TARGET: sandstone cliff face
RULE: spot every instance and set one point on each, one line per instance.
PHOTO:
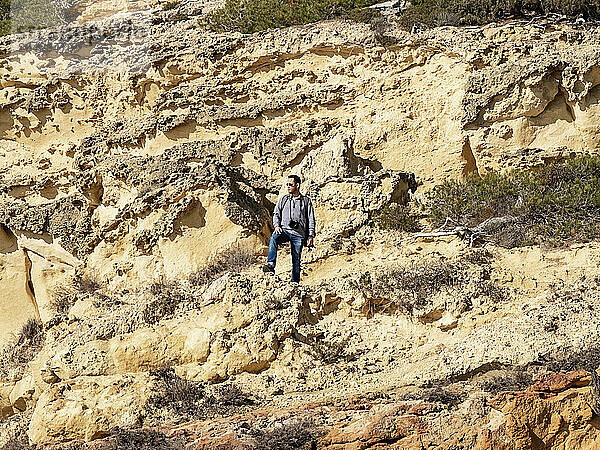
(137, 149)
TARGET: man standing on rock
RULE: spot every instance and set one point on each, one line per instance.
(294, 221)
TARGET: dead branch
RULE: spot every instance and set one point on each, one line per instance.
(481, 232)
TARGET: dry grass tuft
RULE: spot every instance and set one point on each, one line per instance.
(396, 217)
(414, 287)
(179, 400)
(144, 439)
(291, 434)
(23, 348)
(166, 297)
(235, 259)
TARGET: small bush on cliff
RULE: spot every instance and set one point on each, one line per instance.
(413, 288)
(396, 217)
(462, 12)
(288, 435)
(448, 396)
(4, 17)
(80, 286)
(17, 16)
(144, 439)
(250, 16)
(569, 359)
(178, 400)
(496, 381)
(170, 5)
(63, 297)
(333, 347)
(555, 204)
(166, 295)
(88, 284)
(235, 259)
(23, 348)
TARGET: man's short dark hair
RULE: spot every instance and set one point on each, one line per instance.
(296, 178)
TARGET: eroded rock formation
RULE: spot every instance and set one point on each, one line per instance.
(139, 148)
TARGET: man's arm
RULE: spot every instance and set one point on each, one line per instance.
(277, 213)
(311, 219)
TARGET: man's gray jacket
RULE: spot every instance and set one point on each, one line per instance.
(298, 208)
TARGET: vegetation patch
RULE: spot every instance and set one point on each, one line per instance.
(18, 16)
(411, 287)
(415, 288)
(178, 400)
(568, 359)
(23, 348)
(555, 204)
(251, 16)
(170, 5)
(396, 217)
(17, 441)
(63, 297)
(165, 297)
(502, 380)
(144, 439)
(462, 12)
(449, 396)
(291, 434)
(235, 259)
(335, 347)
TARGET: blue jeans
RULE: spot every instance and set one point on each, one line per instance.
(296, 247)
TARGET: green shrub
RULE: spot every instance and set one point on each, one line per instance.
(4, 27)
(17, 16)
(396, 217)
(250, 16)
(4, 17)
(465, 12)
(554, 204)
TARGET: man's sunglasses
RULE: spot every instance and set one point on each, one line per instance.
(291, 184)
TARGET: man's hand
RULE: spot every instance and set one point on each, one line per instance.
(309, 242)
(278, 230)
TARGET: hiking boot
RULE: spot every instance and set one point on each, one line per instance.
(268, 268)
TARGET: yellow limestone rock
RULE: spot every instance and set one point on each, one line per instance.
(17, 304)
(197, 345)
(22, 393)
(89, 407)
(6, 409)
(45, 275)
(203, 231)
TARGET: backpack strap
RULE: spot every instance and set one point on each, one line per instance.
(286, 197)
